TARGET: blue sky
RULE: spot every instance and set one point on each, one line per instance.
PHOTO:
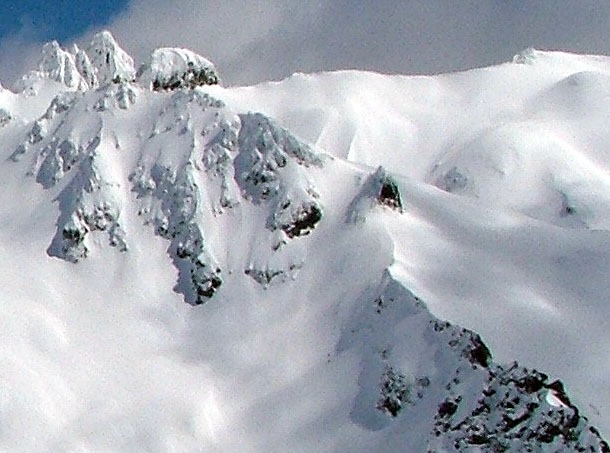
(56, 19)
(255, 40)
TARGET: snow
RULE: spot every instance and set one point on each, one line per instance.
(174, 67)
(109, 60)
(501, 228)
(518, 250)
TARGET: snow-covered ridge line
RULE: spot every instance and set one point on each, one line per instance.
(283, 245)
(104, 62)
(197, 163)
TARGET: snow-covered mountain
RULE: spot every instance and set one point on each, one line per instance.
(288, 266)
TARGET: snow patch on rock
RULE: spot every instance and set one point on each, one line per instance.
(379, 188)
(111, 63)
(173, 68)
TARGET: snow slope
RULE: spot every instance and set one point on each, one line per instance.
(515, 244)
(183, 275)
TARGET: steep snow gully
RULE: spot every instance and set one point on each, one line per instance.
(329, 234)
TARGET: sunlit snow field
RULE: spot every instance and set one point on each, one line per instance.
(515, 245)
(504, 176)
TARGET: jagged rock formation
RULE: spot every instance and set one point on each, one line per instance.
(90, 201)
(518, 410)
(103, 62)
(269, 170)
(198, 158)
(55, 64)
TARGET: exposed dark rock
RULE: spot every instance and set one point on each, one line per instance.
(532, 382)
(304, 222)
(389, 194)
(379, 188)
(191, 78)
(264, 277)
(395, 392)
(526, 419)
(173, 68)
(268, 276)
(447, 408)
(206, 283)
(74, 235)
(479, 353)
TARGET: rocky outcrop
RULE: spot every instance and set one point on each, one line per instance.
(179, 185)
(270, 170)
(517, 410)
(173, 68)
(90, 200)
(89, 203)
(379, 189)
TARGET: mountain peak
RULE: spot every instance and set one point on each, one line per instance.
(148, 188)
(55, 64)
(111, 62)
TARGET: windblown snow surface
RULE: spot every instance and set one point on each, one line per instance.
(302, 265)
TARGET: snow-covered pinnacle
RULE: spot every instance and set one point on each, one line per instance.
(59, 65)
(85, 68)
(111, 63)
(172, 68)
(104, 62)
(55, 64)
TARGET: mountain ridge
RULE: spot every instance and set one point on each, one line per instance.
(250, 210)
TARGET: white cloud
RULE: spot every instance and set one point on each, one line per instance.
(217, 30)
(257, 40)
(18, 53)
(252, 41)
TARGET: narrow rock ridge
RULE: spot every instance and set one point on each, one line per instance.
(430, 370)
